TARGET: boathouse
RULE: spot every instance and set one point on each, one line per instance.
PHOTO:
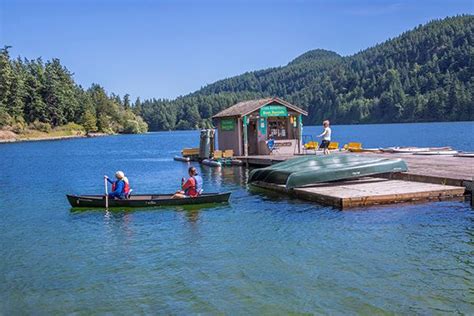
(246, 126)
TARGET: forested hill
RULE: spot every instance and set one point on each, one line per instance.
(425, 74)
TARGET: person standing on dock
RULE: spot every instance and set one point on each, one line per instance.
(326, 135)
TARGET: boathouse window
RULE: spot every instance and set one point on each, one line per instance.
(277, 127)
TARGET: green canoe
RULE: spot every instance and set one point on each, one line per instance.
(307, 170)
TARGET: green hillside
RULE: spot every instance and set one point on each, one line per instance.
(425, 74)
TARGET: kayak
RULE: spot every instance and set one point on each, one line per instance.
(146, 200)
(308, 170)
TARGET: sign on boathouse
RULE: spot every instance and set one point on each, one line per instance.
(273, 110)
(228, 124)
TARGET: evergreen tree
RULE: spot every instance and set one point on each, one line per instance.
(126, 101)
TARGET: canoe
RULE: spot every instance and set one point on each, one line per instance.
(183, 159)
(309, 170)
(465, 155)
(146, 200)
(412, 150)
(211, 163)
(438, 152)
(405, 150)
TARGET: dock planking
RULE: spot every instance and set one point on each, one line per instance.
(369, 191)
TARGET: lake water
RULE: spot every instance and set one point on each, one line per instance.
(260, 254)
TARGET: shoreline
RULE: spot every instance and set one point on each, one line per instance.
(55, 138)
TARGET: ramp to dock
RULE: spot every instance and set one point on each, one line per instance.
(369, 191)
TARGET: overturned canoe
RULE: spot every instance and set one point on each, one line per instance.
(413, 150)
(404, 150)
(303, 171)
(465, 154)
(146, 200)
(438, 153)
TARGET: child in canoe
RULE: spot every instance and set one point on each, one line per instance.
(191, 187)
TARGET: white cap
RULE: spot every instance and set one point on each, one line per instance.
(119, 174)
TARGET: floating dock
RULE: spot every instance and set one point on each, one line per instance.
(369, 191)
(429, 178)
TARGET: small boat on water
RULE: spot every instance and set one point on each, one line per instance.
(146, 200)
(308, 170)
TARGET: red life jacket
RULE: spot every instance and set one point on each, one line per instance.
(126, 187)
(196, 188)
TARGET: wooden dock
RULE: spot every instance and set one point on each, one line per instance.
(455, 171)
(429, 178)
(369, 191)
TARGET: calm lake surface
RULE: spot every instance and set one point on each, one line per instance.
(260, 254)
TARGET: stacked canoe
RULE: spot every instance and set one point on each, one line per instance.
(309, 170)
(446, 151)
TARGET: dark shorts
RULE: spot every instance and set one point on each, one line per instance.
(324, 144)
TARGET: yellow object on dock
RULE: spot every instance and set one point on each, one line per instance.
(333, 146)
(229, 153)
(187, 152)
(217, 154)
(354, 147)
(311, 145)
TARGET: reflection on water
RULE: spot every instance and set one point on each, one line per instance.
(262, 253)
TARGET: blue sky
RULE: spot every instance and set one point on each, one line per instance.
(163, 49)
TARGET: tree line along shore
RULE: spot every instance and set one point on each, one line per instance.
(41, 99)
(422, 75)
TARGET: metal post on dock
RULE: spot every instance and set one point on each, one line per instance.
(246, 142)
(472, 193)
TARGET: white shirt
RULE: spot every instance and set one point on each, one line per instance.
(327, 134)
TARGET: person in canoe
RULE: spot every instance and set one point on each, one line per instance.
(191, 187)
(326, 135)
(120, 187)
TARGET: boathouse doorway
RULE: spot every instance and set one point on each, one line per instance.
(253, 137)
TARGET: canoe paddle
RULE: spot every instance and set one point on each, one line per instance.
(106, 194)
